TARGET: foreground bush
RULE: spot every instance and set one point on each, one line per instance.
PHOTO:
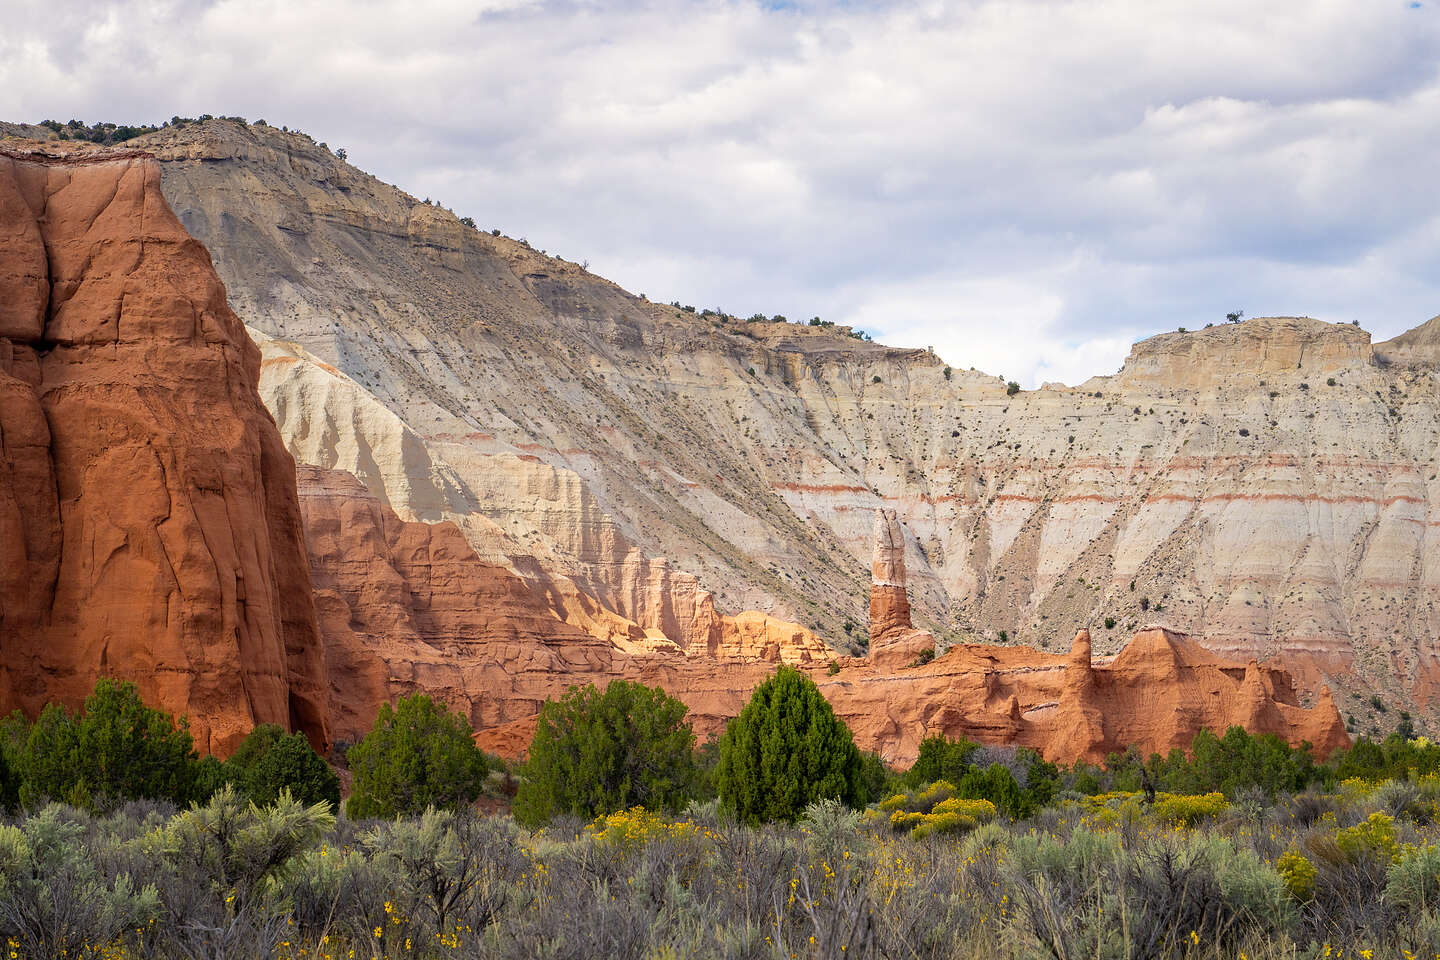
(285, 881)
(786, 750)
(417, 755)
(595, 753)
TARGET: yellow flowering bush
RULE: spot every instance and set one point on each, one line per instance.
(1298, 875)
(936, 792)
(1375, 835)
(934, 809)
(983, 811)
(628, 829)
(1188, 809)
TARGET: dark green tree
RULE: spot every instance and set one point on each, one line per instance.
(1235, 762)
(998, 785)
(877, 780)
(786, 750)
(118, 749)
(417, 755)
(14, 730)
(271, 760)
(595, 753)
(940, 758)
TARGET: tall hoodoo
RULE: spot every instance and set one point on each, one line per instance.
(889, 605)
(149, 526)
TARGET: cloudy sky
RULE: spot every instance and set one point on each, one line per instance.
(1027, 185)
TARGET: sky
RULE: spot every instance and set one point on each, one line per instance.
(1028, 186)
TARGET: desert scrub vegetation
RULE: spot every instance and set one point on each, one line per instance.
(1240, 846)
(1107, 876)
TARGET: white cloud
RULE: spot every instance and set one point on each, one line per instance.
(1027, 185)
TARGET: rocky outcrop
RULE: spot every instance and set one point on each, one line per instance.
(1419, 347)
(499, 659)
(406, 606)
(889, 602)
(1219, 472)
(149, 527)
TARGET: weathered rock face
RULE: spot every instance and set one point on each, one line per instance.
(149, 527)
(575, 555)
(889, 604)
(1219, 472)
(408, 606)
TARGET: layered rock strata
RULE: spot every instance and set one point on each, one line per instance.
(407, 606)
(149, 527)
(1220, 483)
(587, 570)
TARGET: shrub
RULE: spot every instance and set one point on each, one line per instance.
(931, 810)
(830, 820)
(876, 779)
(1373, 837)
(629, 829)
(1413, 881)
(230, 857)
(417, 755)
(786, 750)
(595, 753)
(1012, 388)
(1235, 762)
(998, 785)
(54, 899)
(1298, 874)
(940, 758)
(117, 749)
(269, 760)
(1189, 810)
(450, 866)
(9, 777)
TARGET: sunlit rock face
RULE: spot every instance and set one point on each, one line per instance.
(149, 527)
(572, 429)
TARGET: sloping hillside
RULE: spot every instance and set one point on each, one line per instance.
(1269, 486)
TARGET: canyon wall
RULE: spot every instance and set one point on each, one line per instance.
(407, 606)
(1219, 485)
(149, 526)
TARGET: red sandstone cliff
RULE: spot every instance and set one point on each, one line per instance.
(149, 527)
(408, 606)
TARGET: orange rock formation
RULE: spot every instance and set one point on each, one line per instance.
(149, 527)
(408, 606)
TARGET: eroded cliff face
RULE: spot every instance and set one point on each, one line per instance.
(149, 527)
(1246, 499)
(407, 606)
(1160, 690)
